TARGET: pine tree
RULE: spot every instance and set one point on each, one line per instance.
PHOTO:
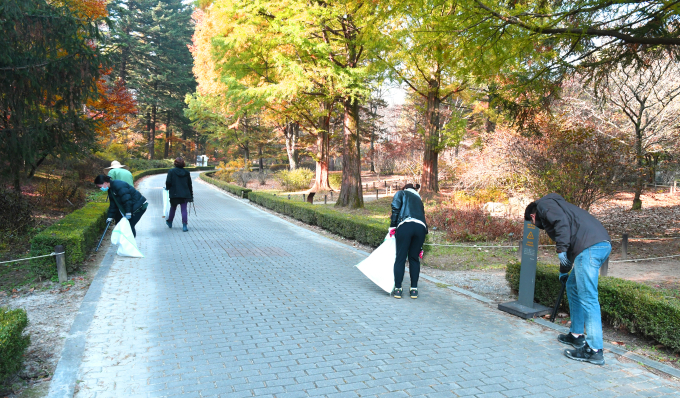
(151, 39)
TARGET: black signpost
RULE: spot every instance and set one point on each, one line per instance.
(525, 307)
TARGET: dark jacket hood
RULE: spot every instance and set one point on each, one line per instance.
(181, 172)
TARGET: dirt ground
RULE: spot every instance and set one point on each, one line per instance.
(51, 309)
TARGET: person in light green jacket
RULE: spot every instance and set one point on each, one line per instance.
(118, 171)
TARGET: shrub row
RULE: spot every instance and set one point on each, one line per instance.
(78, 232)
(635, 306)
(143, 173)
(366, 231)
(235, 189)
(12, 341)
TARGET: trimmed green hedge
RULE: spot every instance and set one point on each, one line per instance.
(361, 229)
(637, 307)
(143, 173)
(78, 232)
(235, 189)
(12, 341)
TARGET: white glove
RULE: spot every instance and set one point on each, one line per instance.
(128, 215)
(109, 220)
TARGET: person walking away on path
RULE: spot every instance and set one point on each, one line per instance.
(118, 171)
(409, 228)
(178, 183)
(582, 244)
(125, 200)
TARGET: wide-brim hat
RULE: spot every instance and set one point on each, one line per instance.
(116, 165)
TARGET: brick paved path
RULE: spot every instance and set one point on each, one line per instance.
(248, 305)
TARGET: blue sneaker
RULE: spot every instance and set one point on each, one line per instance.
(185, 228)
(168, 223)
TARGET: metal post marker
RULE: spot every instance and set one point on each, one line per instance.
(525, 307)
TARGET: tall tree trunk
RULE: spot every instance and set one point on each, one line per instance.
(246, 156)
(430, 175)
(639, 181)
(291, 131)
(321, 182)
(350, 193)
(168, 134)
(152, 133)
(261, 160)
(373, 150)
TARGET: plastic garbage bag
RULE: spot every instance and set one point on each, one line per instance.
(166, 203)
(123, 237)
(379, 266)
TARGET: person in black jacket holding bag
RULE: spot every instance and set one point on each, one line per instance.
(409, 228)
(583, 244)
(125, 200)
(178, 183)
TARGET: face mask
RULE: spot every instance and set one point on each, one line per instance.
(104, 189)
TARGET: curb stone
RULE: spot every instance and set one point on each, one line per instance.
(64, 378)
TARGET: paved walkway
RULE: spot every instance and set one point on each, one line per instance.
(246, 304)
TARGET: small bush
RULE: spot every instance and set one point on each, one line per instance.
(335, 180)
(278, 167)
(635, 306)
(235, 189)
(78, 232)
(295, 180)
(469, 223)
(12, 341)
(145, 164)
(262, 177)
(242, 177)
(15, 216)
(60, 192)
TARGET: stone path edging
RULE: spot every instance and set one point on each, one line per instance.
(64, 378)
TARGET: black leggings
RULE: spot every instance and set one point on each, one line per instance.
(409, 238)
(133, 220)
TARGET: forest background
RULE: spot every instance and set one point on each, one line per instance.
(500, 100)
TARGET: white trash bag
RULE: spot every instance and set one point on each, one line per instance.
(123, 237)
(166, 203)
(379, 266)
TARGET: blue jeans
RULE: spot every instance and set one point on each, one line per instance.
(584, 305)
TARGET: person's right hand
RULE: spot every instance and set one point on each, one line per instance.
(392, 232)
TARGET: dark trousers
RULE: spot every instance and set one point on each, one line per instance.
(410, 237)
(133, 220)
(183, 207)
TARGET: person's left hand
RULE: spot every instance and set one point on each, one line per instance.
(564, 277)
(128, 215)
(392, 231)
(421, 254)
(565, 264)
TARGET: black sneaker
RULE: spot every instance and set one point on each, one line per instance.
(569, 339)
(414, 292)
(586, 354)
(397, 292)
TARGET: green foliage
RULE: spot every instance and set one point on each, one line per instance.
(335, 180)
(362, 229)
(60, 192)
(278, 167)
(295, 180)
(48, 70)
(78, 232)
(12, 341)
(637, 307)
(235, 189)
